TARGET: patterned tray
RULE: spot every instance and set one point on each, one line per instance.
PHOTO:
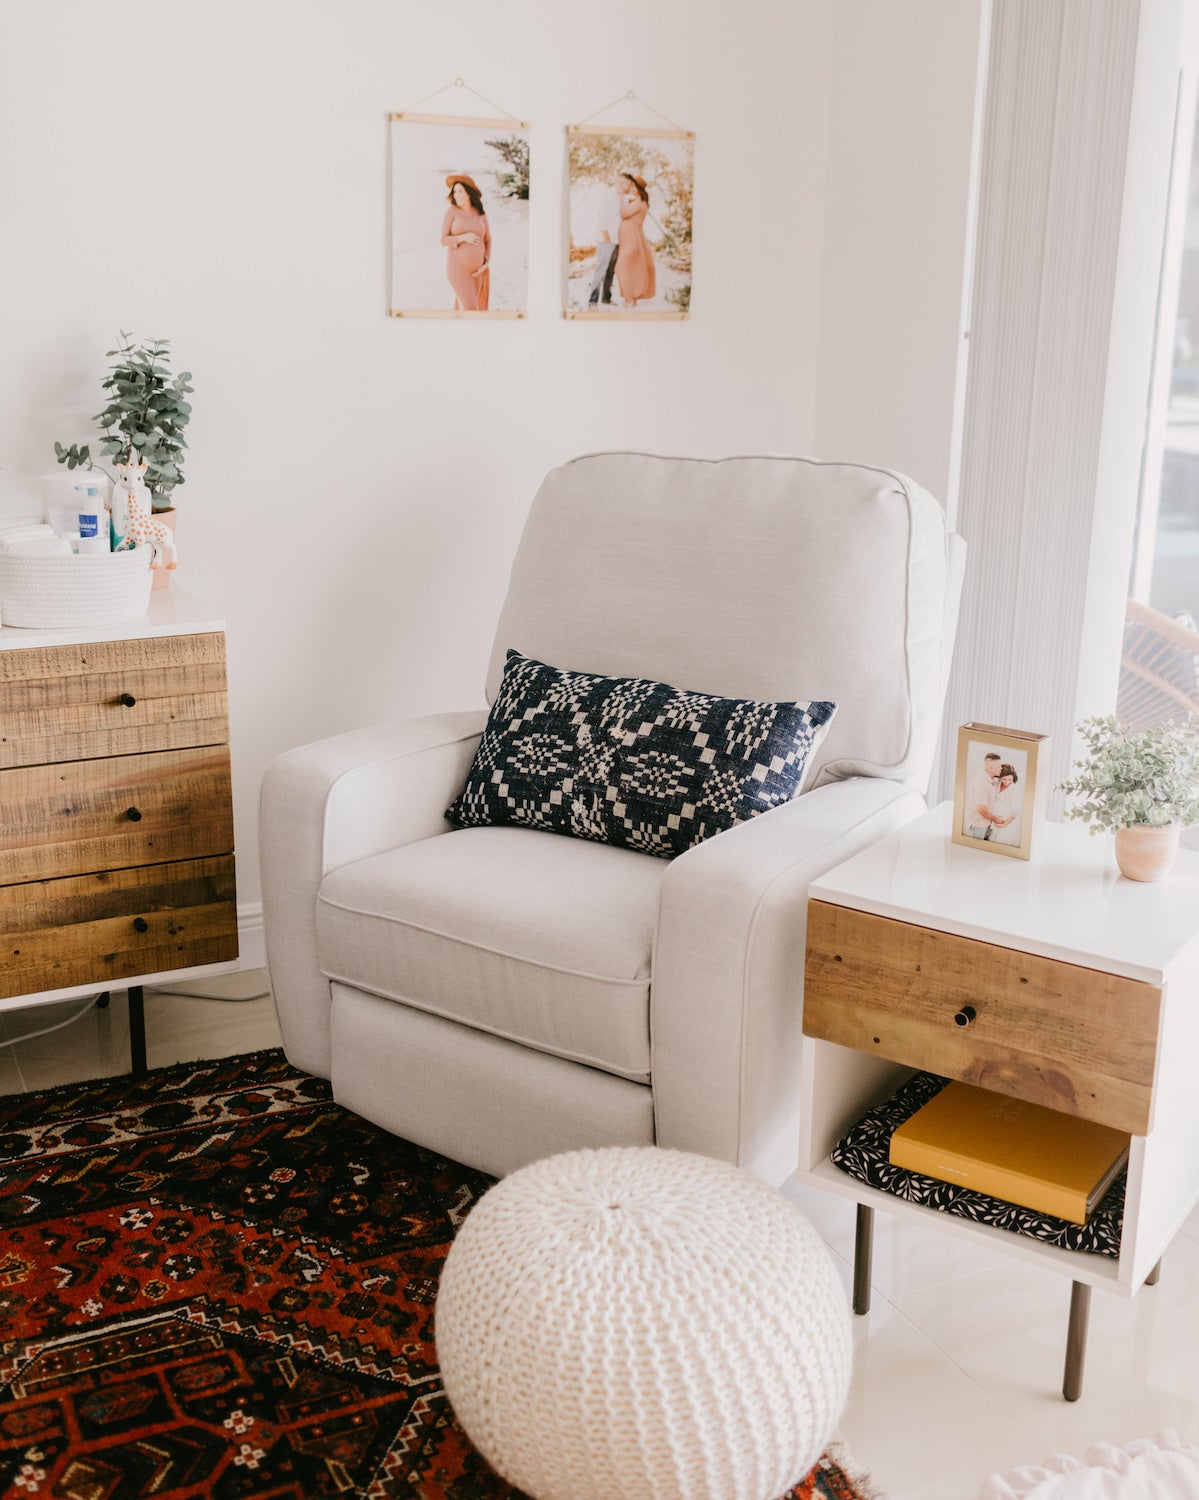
(863, 1153)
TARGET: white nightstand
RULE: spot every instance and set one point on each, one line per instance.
(1055, 980)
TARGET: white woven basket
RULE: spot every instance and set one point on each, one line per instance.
(56, 593)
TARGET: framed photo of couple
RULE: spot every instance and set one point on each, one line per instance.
(998, 793)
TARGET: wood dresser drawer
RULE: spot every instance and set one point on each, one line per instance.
(1076, 1039)
(108, 814)
(103, 928)
(112, 698)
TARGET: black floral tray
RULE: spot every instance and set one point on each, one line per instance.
(863, 1154)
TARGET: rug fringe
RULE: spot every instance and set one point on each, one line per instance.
(841, 1453)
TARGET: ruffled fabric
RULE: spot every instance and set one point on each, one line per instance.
(1160, 1468)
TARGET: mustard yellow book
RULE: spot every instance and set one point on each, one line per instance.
(1023, 1153)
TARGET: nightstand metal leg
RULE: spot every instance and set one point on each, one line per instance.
(1076, 1340)
(863, 1255)
(137, 1030)
(1155, 1275)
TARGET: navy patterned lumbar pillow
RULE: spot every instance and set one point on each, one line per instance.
(629, 762)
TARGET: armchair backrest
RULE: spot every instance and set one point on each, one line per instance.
(761, 577)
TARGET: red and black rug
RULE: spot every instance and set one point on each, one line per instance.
(216, 1282)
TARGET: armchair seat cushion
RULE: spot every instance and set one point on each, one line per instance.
(533, 937)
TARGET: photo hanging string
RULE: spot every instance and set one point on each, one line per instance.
(458, 212)
(629, 218)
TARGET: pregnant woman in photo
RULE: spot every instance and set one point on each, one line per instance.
(635, 256)
(467, 238)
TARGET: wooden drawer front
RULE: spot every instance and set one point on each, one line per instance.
(66, 702)
(88, 929)
(1078, 1040)
(74, 818)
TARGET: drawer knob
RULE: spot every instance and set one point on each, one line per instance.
(127, 699)
(965, 1015)
(140, 924)
(133, 814)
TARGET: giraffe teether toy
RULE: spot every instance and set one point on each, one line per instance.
(140, 528)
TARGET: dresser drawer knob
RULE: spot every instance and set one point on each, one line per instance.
(127, 699)
(965, 1016)
(133, 814)
(140, 924)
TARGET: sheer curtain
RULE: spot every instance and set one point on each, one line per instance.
(1072, 192)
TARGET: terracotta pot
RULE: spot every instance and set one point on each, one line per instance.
(1146, 853)
(162, 576)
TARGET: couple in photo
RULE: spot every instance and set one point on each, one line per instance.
(621, 245)
(993, 803)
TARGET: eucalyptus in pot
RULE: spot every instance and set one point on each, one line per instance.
(1142, 785)
(143, 425)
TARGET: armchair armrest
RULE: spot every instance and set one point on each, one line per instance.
(726, 1003)
(325, 805)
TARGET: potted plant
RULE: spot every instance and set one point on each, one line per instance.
(1141, 784)
(147, 410)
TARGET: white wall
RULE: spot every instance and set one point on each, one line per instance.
(903, 91)
(215, 172)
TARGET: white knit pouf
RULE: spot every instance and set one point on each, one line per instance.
(633, 1323)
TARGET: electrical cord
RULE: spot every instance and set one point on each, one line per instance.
(31, 1036)
(158, 989)
(46, 1030)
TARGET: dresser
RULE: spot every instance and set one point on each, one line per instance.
(116, 816)
(1055, 981)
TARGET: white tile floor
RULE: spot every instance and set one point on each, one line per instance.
(958, 1364)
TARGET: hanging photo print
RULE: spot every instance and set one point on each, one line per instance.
(629, 251)
(459, 217)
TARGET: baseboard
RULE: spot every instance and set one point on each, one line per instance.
(251, 938)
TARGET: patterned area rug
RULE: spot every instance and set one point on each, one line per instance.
(216, 1282)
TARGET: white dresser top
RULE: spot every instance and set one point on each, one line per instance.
(172, 611)
(1069, 901)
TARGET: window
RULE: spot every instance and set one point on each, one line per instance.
(1159, 676)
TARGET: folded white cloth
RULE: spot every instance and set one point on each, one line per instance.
(19, 523)
(40, 543)
(1160, 1468)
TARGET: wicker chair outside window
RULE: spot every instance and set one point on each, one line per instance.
(1159, 673)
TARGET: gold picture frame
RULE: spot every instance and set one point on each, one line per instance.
(998, 796)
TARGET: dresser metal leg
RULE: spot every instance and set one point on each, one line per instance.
(1155, 1275)
(863, 1255)
(137, 1030)
(1076, 1340)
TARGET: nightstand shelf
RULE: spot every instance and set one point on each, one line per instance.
(1095, 1270)
(1085, 992)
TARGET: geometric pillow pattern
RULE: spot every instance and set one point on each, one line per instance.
(630, 762)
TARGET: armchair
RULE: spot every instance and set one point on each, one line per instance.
(499, 994)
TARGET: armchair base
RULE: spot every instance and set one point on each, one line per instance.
(476, 1098)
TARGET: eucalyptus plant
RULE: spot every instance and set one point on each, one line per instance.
(147, 410)
(1143, 776)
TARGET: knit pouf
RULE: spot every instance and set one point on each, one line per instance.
(633, 1323)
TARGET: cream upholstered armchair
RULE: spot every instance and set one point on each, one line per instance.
(498, 994)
